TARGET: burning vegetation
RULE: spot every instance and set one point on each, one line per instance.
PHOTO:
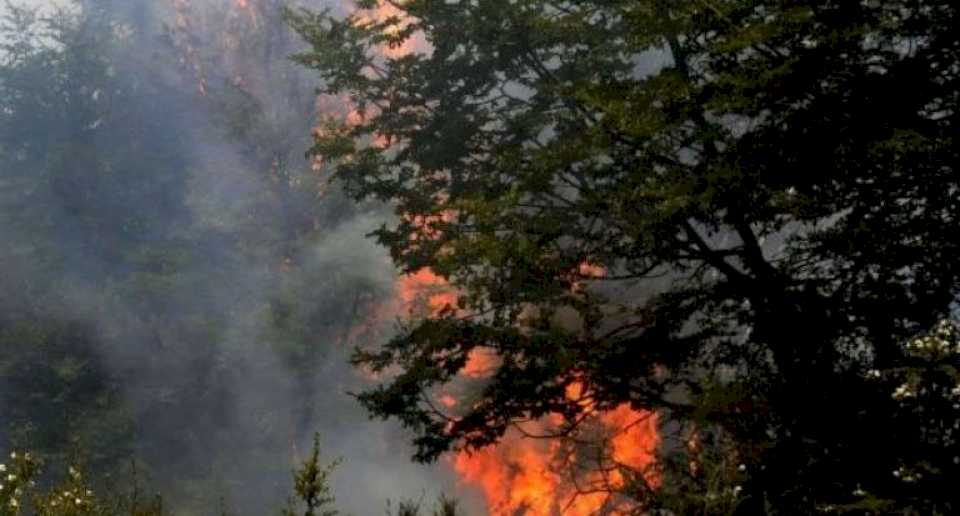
(546, 466)
(641, 257)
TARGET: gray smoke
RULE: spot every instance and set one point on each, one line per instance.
(222, 287)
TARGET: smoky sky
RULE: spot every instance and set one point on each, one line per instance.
(167, 209)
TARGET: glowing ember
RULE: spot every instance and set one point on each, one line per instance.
(424, 289)
(447, 401)
(481, 363)
(589, 270)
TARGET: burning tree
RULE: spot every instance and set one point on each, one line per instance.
(769, 188)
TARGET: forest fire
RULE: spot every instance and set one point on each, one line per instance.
(544, 477)
(547, 477)
(557, 251)
(188, 23)
(389, 14)
(527, 476)
(520, 475)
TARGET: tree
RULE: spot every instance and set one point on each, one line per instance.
(770, 188)
(311, 485)
(68, 97)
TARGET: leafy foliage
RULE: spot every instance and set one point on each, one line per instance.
(57, 393)
(20, 493)
(311, 484)
(769, 187)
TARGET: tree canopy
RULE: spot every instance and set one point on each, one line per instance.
(735, 213)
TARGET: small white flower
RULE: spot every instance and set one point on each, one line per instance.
(11, 477)
(742, 467)
(3, 467)
(13, 455)
(903, 391)
(736, 490)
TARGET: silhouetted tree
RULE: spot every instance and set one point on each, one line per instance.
(725, 211)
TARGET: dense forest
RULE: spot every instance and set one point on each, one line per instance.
(571, 258)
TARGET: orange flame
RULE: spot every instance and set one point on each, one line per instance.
(526, 476)
(515, 475)
(388, 12)
(521, 475)
(425, 288)
(347, 112)
(481, 363)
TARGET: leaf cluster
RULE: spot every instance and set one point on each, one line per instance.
(769, 187)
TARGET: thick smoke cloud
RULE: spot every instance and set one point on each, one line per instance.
(217, 280)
